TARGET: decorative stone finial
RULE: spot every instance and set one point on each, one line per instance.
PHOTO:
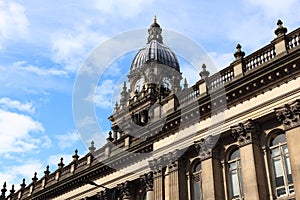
(3, 190)
(12, 191)
(110, 138)
(204, 74)
(92, 147)
(280, 29)
(239, 53)
(47, 172)
(61, 164)
(34, 179)
(185, 84)
(23, 184)
(75, 156)
(124, 95)
(154, 19)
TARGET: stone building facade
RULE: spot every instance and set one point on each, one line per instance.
(252, 153)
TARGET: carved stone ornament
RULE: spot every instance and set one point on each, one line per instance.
(289, 114)
(147, 180)
(206, 147)
(125, 189)
(104, 195)
(171, 159)
(246, 133)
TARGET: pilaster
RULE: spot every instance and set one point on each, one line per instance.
(211, 169)
(254, 184)
(289, 116)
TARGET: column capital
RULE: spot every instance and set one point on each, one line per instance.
(207, 148)
(246, 133)
(125, 189)
(104, 195)
(147, 180)
(171, 159)
(289, 114)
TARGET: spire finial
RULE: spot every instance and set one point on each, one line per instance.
(12, 191)
(23, 184)
(34, 179)
(75, 156)
(185, 84)
(3, 190)
(61, 164)
(154, 18)
(47, 172)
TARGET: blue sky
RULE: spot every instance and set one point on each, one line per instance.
(44, 43)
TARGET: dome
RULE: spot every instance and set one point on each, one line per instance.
(155, 51)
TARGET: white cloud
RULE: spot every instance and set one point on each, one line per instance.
(22, 76)
(71, 47)
(124, 9)
(13, 20)
(67, 140)
(17, 133)
(221, 61)
(14, 174)
(103, 94)
(8, 103)
(275, 8)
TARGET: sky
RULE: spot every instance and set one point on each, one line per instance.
(43, 45)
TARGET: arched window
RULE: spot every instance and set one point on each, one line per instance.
(280, 164)
(196, 182)
(235, 175)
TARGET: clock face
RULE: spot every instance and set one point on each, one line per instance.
(139, 84)
(166, 82)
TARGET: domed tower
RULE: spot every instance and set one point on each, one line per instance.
(155, 64)
(154, 79)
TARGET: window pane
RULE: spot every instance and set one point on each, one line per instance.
(281, 192)
(275, 152)
(241, 182)
(234, 183)
(288, 164)
(291, 188)
(278, 171)
(278, 139)
(234, 154)
(197, 191)
(285, 149)
(197, 168)
(232, 166)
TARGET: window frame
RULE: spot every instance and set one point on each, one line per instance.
(283, 164)
(238, 170)
(199, 178)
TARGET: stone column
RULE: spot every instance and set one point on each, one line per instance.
(289, 115)
(148, 182)
(158, 178)
(176, 171)
(247, 135)
(211, 169)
